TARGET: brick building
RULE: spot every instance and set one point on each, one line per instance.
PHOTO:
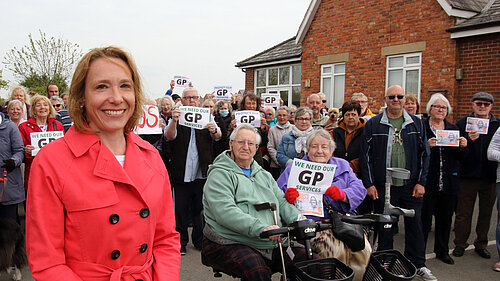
(348, 46)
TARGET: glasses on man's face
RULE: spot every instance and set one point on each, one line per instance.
(57, 105)
(303, 119)
(324, 101)
(400, 97)
(439, 108)
(191, 98)
(479, 104)
(243, 142)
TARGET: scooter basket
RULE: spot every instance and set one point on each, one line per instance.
(389, 265)
(323, 269)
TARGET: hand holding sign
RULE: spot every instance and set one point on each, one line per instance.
(194, 117)
(182, 82)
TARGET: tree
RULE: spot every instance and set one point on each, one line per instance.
(43, 61)
(3, 83)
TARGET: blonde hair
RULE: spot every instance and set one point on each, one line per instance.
(76, 97)
(37, 98)
(16, 89)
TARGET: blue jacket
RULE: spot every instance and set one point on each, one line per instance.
(376, 149)
(344, 179)
(286, 150)
(11, 147)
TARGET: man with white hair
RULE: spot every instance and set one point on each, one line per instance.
(366, 113)
(192, 154)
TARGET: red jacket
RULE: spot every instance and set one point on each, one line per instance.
(28, 127)
(89, 218)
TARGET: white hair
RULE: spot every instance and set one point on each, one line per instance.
(436, 97)
(245, 127)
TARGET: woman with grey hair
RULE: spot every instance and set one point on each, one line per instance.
(293, 143)
(275, 134)
(442, 185)
(15, 111)
(345, 194)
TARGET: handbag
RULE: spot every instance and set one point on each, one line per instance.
(352, 235)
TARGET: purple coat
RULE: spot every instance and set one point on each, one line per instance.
(344, 179)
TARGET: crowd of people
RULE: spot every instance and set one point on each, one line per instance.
(113, 215)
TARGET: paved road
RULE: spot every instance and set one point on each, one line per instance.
(469, 267)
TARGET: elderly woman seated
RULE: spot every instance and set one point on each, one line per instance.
(235, 185)
(345, 194)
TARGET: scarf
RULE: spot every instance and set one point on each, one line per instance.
(284, 126)
(300, 142)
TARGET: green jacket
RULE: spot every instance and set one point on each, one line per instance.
(229, 197)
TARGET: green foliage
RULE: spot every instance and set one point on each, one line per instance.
(42, 62)
(3, 83)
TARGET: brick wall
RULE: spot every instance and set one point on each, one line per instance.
(479, 57)
(249, 79)
(363, 27)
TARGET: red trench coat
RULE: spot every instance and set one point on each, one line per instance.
(88, 218)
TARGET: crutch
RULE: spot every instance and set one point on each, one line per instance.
(272, 207)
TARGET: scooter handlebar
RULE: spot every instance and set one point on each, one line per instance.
(276, 231)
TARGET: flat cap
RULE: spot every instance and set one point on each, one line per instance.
(483, 96)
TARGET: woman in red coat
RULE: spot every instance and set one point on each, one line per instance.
(42, 120)
(103, 210)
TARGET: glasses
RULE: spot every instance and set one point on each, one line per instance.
(479, 104)
(439, 108)
(57, 105)
(365, 101)
(323, 101)
(269, 114)
(400, 97)
(243, 142)
(191, 98)
(303, 119)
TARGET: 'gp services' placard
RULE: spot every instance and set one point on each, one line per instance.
(194, 117)
(311, 181)
(223, 92)
(251, 117)
(40, 139)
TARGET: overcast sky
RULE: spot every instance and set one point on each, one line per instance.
(200, 39)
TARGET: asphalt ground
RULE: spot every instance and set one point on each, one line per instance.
(469, 267)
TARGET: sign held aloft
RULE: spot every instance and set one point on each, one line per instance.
(272, 100)
(223, 92)
(194, 117)
(251, 117)
(181, 81)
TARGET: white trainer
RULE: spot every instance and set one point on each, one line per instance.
(425, 274)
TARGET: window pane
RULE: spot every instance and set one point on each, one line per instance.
(296, 74)
(273, 77)
(260, 91)
(326, 70)
(395, 77)
(413, 60)
(412, 82)
(339, 83)
(296, 96)
(261, 78)
(327, 87)
(396, 61)
(339, 68)
(284, 75)
(284, 96)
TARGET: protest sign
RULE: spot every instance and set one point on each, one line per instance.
(447, 137)
(477, 125)
(311, 181)
(251, 117)
(194, 117)
(181, 81)
(223, 92)
(40, 139)
(272, 100)
(149, 123)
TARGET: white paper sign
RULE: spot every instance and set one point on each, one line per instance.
(251, 117)
(194, 117)
(477, 124)
(272, 100)
(40, 139)
(447, 137)
(311, 181)
(223, 92)
(181, 81)
(149, 124)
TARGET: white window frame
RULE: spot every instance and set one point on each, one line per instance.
(406, 67)
(276, 88)
(331, 99)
